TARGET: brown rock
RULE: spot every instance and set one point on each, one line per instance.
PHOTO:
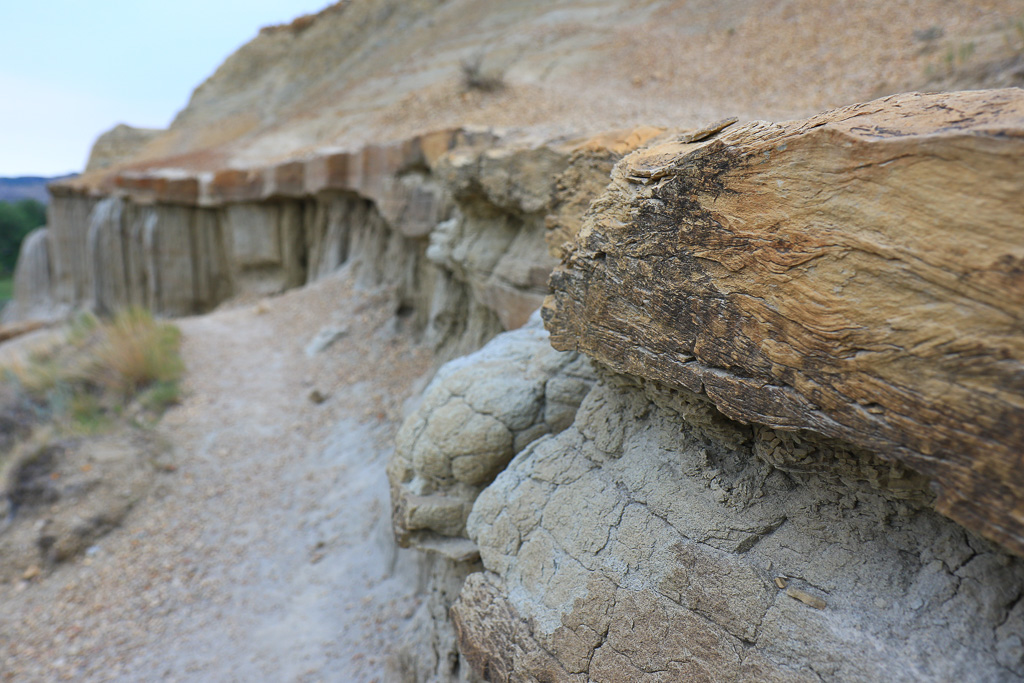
(238, 185)
(585, 179)
(857, 274)
(806, 598)
(169, 187)
(13, 330)
(286, 180)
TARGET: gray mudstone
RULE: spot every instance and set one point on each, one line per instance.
(656, 540)
(477, 413)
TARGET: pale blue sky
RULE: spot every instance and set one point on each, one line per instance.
(71, 69)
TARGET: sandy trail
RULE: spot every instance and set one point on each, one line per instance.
(266, 554)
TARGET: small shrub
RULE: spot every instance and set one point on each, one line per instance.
(17, 220)
(88, 381)
(82, 327)
(87, 413)
(160, 396)
(929, 34)
(134, 351)
(39, 376)
(476, 77)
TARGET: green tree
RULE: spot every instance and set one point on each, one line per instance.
(17, 219)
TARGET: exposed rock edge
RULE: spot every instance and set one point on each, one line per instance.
(856, 274)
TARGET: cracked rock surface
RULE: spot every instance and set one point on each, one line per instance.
(478, 412)
(656, 540)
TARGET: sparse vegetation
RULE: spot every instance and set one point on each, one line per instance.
(135, 352)
(75, 451)
(6, 290)
(927, 35)
(986, 60)
(129, 365)
(957, 56)
(475, 76)
(17, 219)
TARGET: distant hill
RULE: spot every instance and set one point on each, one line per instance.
(28, 187)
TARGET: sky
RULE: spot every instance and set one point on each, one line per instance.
(70, 70)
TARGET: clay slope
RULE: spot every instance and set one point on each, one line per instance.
(387, 70)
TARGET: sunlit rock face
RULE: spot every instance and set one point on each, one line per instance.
(120, 143)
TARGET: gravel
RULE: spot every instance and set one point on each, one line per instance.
(266, 554)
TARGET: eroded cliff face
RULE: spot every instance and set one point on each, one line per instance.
(723, 529)
(284, 126)
(773, 339)
(656, 539)
(809, 275)
(477, 414)
(453, 223)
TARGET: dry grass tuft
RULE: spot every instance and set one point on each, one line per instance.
(104, 369)
(134, 351)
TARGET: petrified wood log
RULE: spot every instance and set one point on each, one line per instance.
(859, 274)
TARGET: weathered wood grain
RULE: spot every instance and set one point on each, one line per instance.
(859, 274)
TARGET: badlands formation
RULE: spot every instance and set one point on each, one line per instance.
(726, 317)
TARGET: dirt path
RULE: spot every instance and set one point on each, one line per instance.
(266, 554)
